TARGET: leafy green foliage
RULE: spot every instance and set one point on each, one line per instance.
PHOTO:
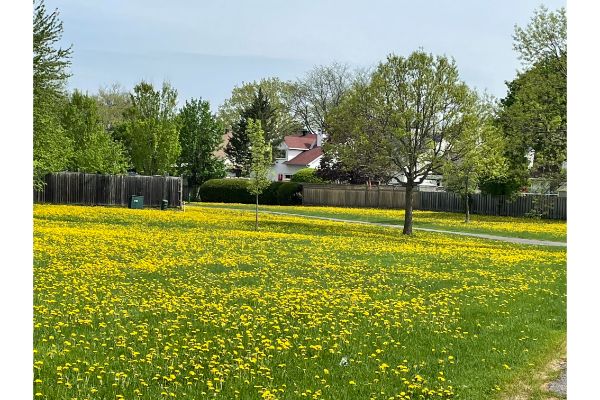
(151, 129)
(200, 137)
(52, 148)
(318, 93)
(279, 95)
(331, 169)
(534, 118)
(50, 63)
(226, 191)
(534, 112)
(95, 151)
(354, 140)
(113, 101)
(307, 175)
(237, 191)
(407, 117)
(238, 148)
(477, 153)
(544, 39)
(261, 158)
(289, 194)
(507, 185)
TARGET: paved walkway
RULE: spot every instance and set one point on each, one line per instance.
(478, 235)
(559, 386)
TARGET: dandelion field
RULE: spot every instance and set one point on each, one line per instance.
(527, 228)
(149, 304)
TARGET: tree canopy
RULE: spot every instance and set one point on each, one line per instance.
(238, 148)
(279, 95)
(478, 153)
(95, 151)
(151, 129)
(261, 157)
(52, 148)
(533, 115)
(407, 117)
(316, 94)
(200, 137)
(543, 39)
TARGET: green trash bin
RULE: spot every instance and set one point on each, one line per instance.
(136, 202)
(164, 204)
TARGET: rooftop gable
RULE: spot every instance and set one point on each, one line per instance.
(303, 142)
(306, 157)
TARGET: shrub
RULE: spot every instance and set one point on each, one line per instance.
(226, 191)
(307, 175)
(236, 191)
(289, 193)
(269, 196)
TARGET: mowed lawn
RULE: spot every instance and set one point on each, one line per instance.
(154, 304)
(526, 228)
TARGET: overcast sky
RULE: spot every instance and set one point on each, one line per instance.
(205, 48)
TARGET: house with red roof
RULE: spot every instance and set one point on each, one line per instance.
(295, 153)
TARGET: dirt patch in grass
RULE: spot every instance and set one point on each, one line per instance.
(545, 384)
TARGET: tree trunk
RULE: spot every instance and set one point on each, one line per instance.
(256, 224)
(408, 214)
(467, 216)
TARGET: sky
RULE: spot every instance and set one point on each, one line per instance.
(206, 48)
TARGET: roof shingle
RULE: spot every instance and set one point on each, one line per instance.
(300, 142)
(306, 157)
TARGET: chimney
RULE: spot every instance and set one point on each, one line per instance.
(319, 139)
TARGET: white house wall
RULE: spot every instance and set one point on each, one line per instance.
(284, 169)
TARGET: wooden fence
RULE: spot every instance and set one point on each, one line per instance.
(94, 189)
(356, 196)
(548, 206)
(552, 207)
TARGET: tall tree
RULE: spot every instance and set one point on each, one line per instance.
(353, 137)
(319, 92)
(534, 112)
(534, 120)
(52, 148)
(113, 101)
(332, 169)
(200, 137)
(151, 129)
(279, 94)
(415, 109)
(543, 39)
(238, 148)
(94, 149)
(261, 161)
(477, 153)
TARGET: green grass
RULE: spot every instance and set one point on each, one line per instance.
(525, 228)
(165, 304)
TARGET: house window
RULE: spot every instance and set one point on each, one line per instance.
(280, 153)
(288, 176)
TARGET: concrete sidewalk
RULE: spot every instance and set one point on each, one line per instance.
(507, 239)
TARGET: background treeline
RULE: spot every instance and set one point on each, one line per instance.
(114, 131)
(366, 116)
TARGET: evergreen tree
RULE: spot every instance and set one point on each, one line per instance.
(238, 148)
(52, 148)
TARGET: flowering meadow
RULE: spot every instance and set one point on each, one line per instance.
(150, 304)
(528, 228)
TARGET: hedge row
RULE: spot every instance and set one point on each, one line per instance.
(236, 191)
